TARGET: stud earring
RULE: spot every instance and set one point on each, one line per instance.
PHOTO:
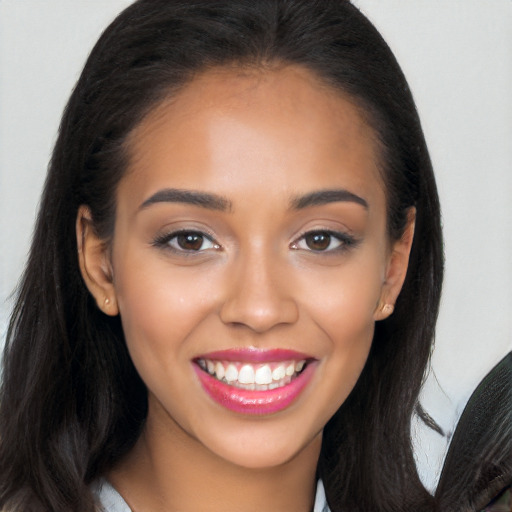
(107, 301)
(388, 308)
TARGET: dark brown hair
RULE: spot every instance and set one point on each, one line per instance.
(71, 401)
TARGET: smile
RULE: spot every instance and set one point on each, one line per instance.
(254, 377)
(252, 381)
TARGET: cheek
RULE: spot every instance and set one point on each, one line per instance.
(343, 307)
(160, 305)
(343, 303)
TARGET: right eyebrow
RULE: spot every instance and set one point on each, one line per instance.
(194, 197)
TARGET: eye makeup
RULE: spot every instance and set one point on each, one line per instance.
(325, 241)
(186, 241)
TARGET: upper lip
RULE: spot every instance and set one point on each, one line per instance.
(254, 355)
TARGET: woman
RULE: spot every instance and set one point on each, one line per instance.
(235, 275)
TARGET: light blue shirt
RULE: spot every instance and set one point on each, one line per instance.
(111, 501)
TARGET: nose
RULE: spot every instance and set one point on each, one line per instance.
(260, 295)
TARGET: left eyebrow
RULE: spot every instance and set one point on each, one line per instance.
(321, 197)
(193, 197)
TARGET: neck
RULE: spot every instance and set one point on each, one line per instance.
(169, 470)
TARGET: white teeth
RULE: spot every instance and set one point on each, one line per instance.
(263, 375)
(278, 373)
(246, 374)
(253, 376)
(219, 370)
(231, 373)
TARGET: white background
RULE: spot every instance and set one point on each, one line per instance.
(457, 55)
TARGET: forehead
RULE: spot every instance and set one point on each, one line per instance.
(280, 124)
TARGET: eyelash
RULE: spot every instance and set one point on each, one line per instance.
(165, 241)
(344, 241)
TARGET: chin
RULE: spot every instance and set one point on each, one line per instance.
(260, 448)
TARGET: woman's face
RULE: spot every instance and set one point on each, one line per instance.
(250, 260)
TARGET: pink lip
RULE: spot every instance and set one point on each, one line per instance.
(254, 402)
(254, 355)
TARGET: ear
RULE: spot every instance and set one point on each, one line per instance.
(396, 269)
(95, 266)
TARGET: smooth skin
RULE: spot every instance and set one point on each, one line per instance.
(267, 259)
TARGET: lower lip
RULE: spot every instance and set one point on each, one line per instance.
(244, 401)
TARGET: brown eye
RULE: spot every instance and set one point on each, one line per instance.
(190, 241)
(319, 241)
(186, 242)
(324, 242)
